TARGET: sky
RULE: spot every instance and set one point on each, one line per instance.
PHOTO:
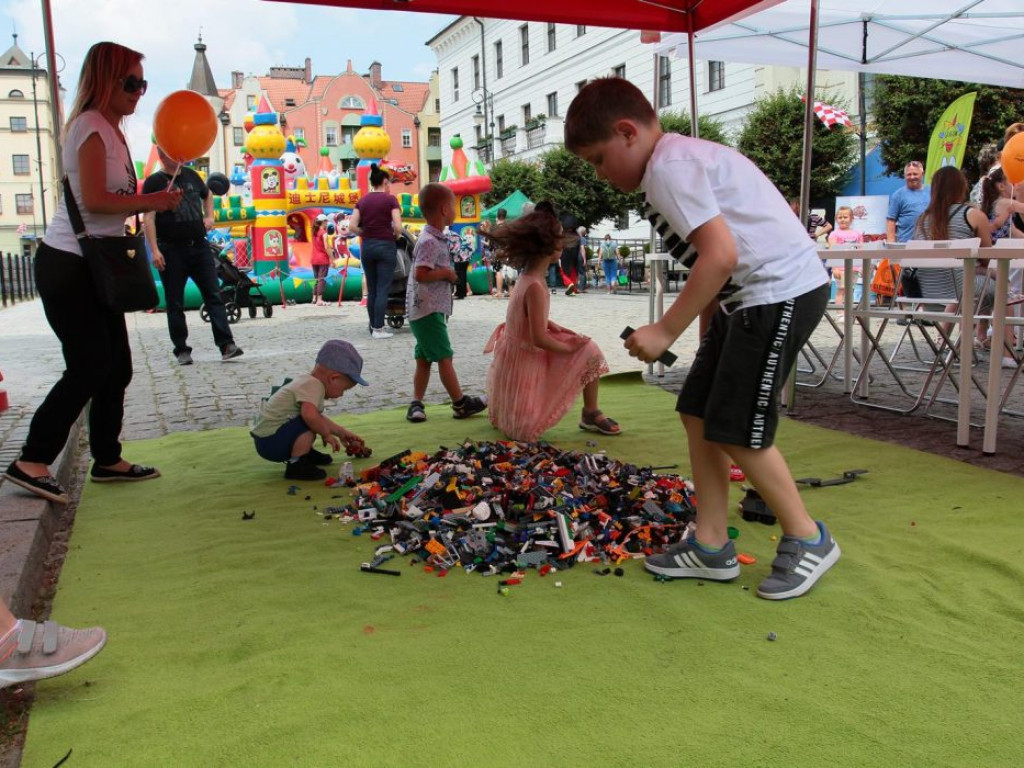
(246, 35)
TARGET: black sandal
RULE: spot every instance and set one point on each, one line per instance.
(99, 474)
(46, 486)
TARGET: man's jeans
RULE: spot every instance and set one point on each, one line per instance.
(195, 261)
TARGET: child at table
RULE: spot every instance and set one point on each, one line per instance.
(289, 421)
(845, 235)
(757, 275)
(539, 367)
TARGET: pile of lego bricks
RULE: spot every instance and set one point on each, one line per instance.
(497, 507)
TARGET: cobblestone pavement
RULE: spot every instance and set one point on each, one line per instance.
(165, 397)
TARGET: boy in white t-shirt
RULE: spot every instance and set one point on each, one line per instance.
(288, 422)
(758, 281)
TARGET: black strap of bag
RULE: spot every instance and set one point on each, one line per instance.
(76, 216)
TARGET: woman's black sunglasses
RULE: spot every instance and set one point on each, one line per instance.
(132, 84)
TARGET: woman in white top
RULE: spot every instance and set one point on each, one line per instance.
(94, 339)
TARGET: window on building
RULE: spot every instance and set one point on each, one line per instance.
(19, 124)
(553, 104)
(716, 75)
(476, 72)
(24, 203)
(289, 102)
(455, 84)
(1, 205)
(527, 113)
(250, 102)
(524, 44)
(239, 136)
(551, 37)
(406, 138)
(580, 85)
(21, 166)
(299, 133)
(619, 71)
(331, 135)
(434, 137)
(437, 106)
(581, 30)
(16, 94)
(351, 102)
(664, 81)
(348, 133)
(398, 88)
(479, 135)
(501, 123)
(499, 60)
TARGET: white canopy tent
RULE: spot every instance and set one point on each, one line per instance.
(972, 40)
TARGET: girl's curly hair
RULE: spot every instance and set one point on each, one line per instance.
(523, 242)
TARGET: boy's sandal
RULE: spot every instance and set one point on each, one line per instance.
(598, 422)
(46, 486)
(135, 472)
(416, 412)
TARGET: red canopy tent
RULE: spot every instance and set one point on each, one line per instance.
(664, 15)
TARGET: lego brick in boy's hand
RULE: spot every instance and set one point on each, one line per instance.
(356, 447)
(667, 358)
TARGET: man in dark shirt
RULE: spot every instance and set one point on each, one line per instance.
(177, 242)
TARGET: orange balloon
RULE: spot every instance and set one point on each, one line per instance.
(185, 125)
(1012, 159)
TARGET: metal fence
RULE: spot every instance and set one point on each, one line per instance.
(17, 278)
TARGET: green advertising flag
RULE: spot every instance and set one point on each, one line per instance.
(949, 139)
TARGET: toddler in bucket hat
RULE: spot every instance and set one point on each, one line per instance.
(289, 421)
(341, 357)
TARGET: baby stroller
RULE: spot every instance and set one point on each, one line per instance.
(394, 313)
(237, 289)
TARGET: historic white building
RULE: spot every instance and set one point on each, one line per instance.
(29, 187)
(505, 85)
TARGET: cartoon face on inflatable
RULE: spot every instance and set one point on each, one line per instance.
(293, 168)
(270, 181)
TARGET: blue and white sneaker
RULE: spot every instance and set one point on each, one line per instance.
(685, 561)
(798, 566)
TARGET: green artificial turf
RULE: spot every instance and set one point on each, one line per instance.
(260, 643)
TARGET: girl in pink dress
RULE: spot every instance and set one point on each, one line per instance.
(539, 367)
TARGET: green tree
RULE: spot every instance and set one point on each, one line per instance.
(571, 184)
(509, 175)
(907, 108)
(679, 122)
(773, 137)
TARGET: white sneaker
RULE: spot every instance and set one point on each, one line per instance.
(381, 333)
(1009, 362)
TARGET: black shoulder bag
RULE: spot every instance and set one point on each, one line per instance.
(119, 266)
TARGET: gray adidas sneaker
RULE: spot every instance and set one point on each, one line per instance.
(798, 565)
(684, 561)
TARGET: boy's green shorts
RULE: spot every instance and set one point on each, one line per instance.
(431, 334)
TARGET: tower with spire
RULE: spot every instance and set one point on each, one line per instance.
(201, 81)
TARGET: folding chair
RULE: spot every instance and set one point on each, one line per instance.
(835, 256)
(941, 281)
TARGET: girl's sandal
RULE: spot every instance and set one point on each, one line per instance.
(598, 422)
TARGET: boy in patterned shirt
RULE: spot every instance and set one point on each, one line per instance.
(429, 303)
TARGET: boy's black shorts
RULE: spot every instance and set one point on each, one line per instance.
(741, 364)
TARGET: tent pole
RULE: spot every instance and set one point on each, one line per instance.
(690, 52)
(805, 170)
(56, 110)
(862, 106)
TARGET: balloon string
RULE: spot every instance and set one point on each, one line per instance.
(174, 177)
